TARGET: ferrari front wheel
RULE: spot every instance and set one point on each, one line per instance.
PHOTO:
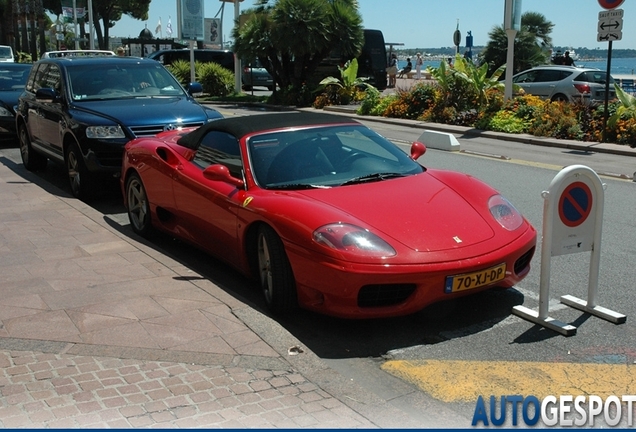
(275, 273)
(138, 206)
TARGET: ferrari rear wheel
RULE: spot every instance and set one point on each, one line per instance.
(138, 206)
(275, 273)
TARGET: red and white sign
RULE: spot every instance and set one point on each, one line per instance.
(610, 4)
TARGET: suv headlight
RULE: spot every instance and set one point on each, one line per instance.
(105, 132)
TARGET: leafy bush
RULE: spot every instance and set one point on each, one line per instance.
(215, 79)
(382, 105)
(370, 101)
(507, 121)
(415, 101)
(180, 69)
(556, 120)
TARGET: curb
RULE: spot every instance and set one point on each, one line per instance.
(350, 110)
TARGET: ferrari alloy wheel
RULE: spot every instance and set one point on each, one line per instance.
(30, 159)
(275, 273)
(77, 173)
(138, 206)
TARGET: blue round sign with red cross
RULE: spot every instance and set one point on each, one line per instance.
(575, 204)
(610, 4)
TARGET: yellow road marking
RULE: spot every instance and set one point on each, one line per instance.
(465, 381)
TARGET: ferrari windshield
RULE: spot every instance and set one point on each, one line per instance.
(100, 81)
(326, 157)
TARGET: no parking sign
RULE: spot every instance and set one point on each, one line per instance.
(573, 210)
(572, 222)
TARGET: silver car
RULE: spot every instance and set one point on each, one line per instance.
(565, 83)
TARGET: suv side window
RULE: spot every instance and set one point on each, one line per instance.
(550, 75)
(527, 77)
(220, 148)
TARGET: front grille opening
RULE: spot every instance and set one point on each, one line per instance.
(384, 294)
(521, 265)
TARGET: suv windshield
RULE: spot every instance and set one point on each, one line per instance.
(101, 81)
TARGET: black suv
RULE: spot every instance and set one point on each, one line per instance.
(80, 111)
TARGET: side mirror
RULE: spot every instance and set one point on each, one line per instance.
(417, 150)
(194, 88)
(46, 95)
(220, 172)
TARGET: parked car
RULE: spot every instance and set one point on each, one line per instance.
(82, 110)
(565, 83)
(13, 76)
(6, 54)
(326, 214)
(77, 53)
(223, 57)
(254, 74)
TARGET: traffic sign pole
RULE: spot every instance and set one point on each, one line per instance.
(607, 83)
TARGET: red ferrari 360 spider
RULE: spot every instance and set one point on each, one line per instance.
(327, 214)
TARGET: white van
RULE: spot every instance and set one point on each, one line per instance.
(6, 54)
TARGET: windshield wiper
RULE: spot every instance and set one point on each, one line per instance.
(372, 177)
(299, 186)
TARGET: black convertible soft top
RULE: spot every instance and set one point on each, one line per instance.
(240, 126)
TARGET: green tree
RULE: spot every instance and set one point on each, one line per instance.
(106, 13)
(292, 37)
(531, 44)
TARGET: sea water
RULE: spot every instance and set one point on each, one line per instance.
(619, 66)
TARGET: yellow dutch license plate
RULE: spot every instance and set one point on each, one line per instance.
(474, 280)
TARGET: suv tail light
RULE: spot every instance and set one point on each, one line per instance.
(583, 88)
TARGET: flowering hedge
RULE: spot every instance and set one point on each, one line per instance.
(465, 96)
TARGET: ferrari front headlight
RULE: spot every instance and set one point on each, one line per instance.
(504, 212)
(352, 239)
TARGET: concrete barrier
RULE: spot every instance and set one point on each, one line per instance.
(439, 140)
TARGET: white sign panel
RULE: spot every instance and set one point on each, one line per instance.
(610, 25)
(213, 31)
(191, 15)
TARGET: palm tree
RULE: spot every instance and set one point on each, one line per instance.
(531, 44)
(538, 25)
(292, 37)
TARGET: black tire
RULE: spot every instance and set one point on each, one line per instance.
(79, 180)
(31, 160)
(271, 88)
(274, 272)
(560, 98)
(138, 206)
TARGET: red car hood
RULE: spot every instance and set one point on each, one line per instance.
(418, 211)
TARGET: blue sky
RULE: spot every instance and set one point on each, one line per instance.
(431, 23)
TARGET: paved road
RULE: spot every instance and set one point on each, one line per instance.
(101, 328)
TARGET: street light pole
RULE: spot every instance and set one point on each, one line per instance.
(237, 60)
(512, 24)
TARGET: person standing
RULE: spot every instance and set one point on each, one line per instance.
(392, 71)
(567, 60)
(418, 66)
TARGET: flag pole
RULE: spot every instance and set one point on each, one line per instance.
(75, 24)
(91, 39)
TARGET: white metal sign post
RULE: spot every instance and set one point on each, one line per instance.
(572, 223)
